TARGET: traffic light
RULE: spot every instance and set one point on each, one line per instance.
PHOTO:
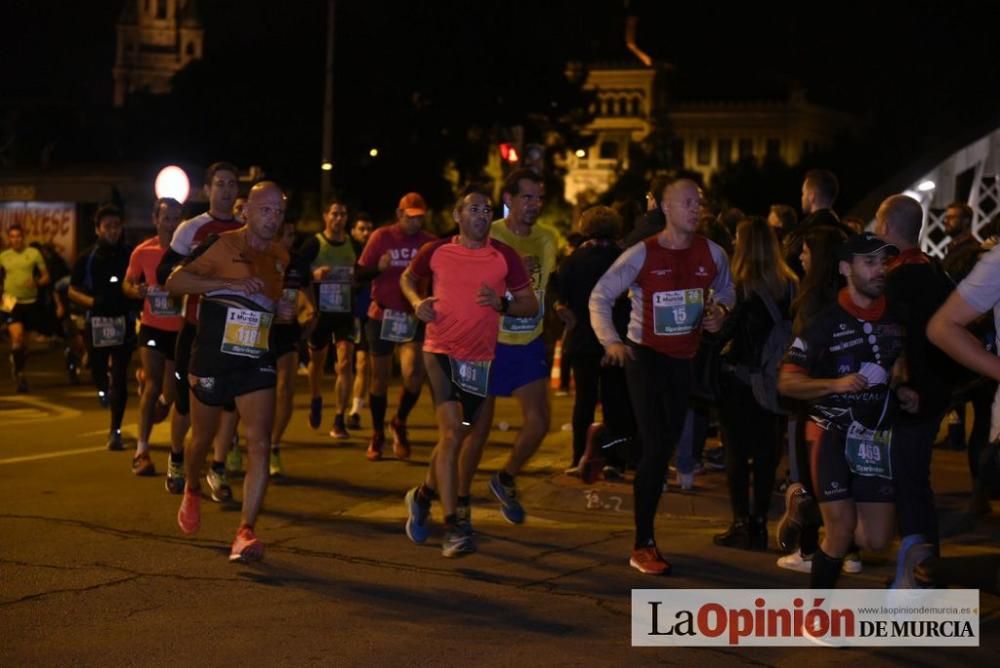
(508, 152)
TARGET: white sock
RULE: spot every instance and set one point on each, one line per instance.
(357, 404)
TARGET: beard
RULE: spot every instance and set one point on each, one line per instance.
(872, 289)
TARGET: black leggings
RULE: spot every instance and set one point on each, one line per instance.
(109, 367)
(751, 432)
(659, 387)
(913, 442)
(599, 383)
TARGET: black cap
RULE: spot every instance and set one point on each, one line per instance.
(865, 243)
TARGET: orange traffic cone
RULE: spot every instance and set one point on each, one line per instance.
(556, 375)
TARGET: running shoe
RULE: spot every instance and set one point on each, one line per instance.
(189, 514)
(234, 460)
(143, 465)
(612, 473)
(316, 412)
(510, 507)
(400, 439)
(456, 543)
(221, 491)
(714, 459)
(275, 467)
(648, 560)
(416, 517)
(115, 440)
(175, 477)
(375, 446)
(799, 505)
(464, 515)
(339, 430)
(685, 481)
(246, 547)
(796, 561)
(354, 421)
(852, 563)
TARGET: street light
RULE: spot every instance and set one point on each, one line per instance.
(326, 166)
(373, 153)
(926, 186)
(172, 182)
(580, 153)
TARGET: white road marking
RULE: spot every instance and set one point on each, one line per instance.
(50, 455)
(35, 410)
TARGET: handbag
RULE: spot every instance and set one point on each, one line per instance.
(707, 369)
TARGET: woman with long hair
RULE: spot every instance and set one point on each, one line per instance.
(799, 527)
(762, 280)
(822, 280)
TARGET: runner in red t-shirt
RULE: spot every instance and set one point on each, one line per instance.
(161, 321)
(468, 274)
(221, 187)
(391, 321)
(679, 284)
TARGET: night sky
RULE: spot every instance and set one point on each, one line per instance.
(414, 78)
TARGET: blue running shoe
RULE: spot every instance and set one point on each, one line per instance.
(510, 507)
(416, 521)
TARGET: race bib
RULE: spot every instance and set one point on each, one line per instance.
(246, 333)
(397, 326)
(8, 302)
(867, 451)
(161, 303)
(471, 377)
(107, 332)
(334, 297)
(511, 324)
(677, 312)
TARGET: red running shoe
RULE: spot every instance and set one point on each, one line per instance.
(375, 446)
(189, 515)
(400, 439)
(648, 560)
(246, 547)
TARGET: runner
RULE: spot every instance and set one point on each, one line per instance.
(679, 284)
(331, 255)
(96, 284)
(392, 323)
(221, 187)
(161, 320)
(469, 274)
(362, 230)
(285, 337)
(521, 369)
(240, 274)
(23, 270)
(842, 364)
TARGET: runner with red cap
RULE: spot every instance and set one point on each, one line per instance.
(392, 322)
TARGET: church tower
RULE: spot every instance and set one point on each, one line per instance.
(156, 39)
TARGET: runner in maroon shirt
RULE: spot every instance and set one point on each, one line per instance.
(391, 321)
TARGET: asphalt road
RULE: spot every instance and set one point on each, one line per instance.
(94, 570)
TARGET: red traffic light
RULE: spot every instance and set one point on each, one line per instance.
(508, 152)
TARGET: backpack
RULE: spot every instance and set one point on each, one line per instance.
(764, 378)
